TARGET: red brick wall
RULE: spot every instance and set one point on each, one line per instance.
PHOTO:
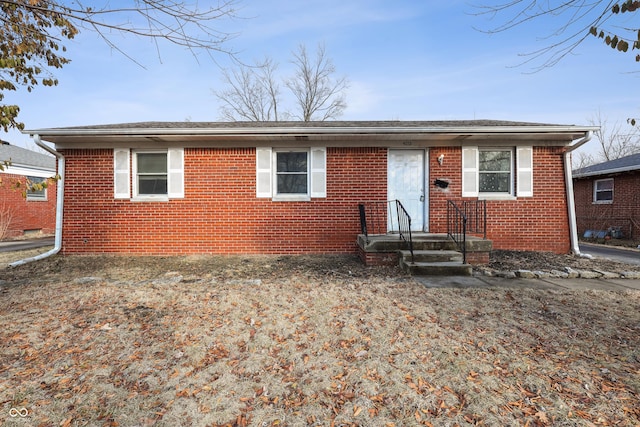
(538, 223)
(27, 215)
(220, 212)
(624, 212)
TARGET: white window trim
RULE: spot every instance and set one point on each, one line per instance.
(34, 197)
(498, 195)
(129, 168)
(134, 173)
(288, 196)
(595, 192)
(37, 198)
(471, 173)
(266, 173)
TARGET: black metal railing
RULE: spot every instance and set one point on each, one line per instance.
(468, 216)
(476, 213)
(457, 227)
(381, 217)
(374, 217)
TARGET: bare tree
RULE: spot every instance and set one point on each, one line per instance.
(7, 214)
(318, 95)
(32, 33)
(252, 92)
(569, 24)
(615, 140)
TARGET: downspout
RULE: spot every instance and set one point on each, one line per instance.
(59, 204)
(568, 177)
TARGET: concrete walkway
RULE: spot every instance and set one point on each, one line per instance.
(462, 282)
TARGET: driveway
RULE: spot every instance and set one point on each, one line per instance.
(20, 245)
(629, 256)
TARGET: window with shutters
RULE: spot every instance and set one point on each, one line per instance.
(154, 174)
(501, 173)
(291, 174)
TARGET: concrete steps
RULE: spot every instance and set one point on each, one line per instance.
(434, 254)
(434, 263)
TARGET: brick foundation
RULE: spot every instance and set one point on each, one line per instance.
(478, 258)
(378, 258)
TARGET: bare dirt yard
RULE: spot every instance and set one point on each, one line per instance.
(302, 341)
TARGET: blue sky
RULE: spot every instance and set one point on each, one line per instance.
(405, 60)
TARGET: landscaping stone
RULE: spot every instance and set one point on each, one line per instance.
(588, 274)
(525, 274)
(571, 273)
(506, 274)
(630, 274)
(608, 274)
(542, 274)
(559, 274)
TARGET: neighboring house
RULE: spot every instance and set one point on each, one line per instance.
(294, 187)
(607, 197)
(31, 212)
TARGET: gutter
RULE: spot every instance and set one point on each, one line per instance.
(304, 130)
(571, 203)
(59, 204)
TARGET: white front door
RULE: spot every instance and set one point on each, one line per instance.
(406, 183)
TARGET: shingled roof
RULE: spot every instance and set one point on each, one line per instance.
(391, 124)
(21, 157)
(623, 164)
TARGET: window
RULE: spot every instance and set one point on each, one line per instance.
(492, 172)
(291, 174)
(151, 174)
(495, 171)
(157, 174)
(36, 193)
(603, 191)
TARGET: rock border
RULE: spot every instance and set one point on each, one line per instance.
(566, 273)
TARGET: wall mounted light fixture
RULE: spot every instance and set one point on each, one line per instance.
(441, 159)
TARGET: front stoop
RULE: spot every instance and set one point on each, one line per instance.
(434, 254)
(434, 263)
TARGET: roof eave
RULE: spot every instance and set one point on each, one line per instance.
(287, 131)
(608, 171)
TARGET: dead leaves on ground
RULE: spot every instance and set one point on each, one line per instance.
(349, 352)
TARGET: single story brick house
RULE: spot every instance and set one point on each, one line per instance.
(607, 197)
(294, 187)
(35, 211)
